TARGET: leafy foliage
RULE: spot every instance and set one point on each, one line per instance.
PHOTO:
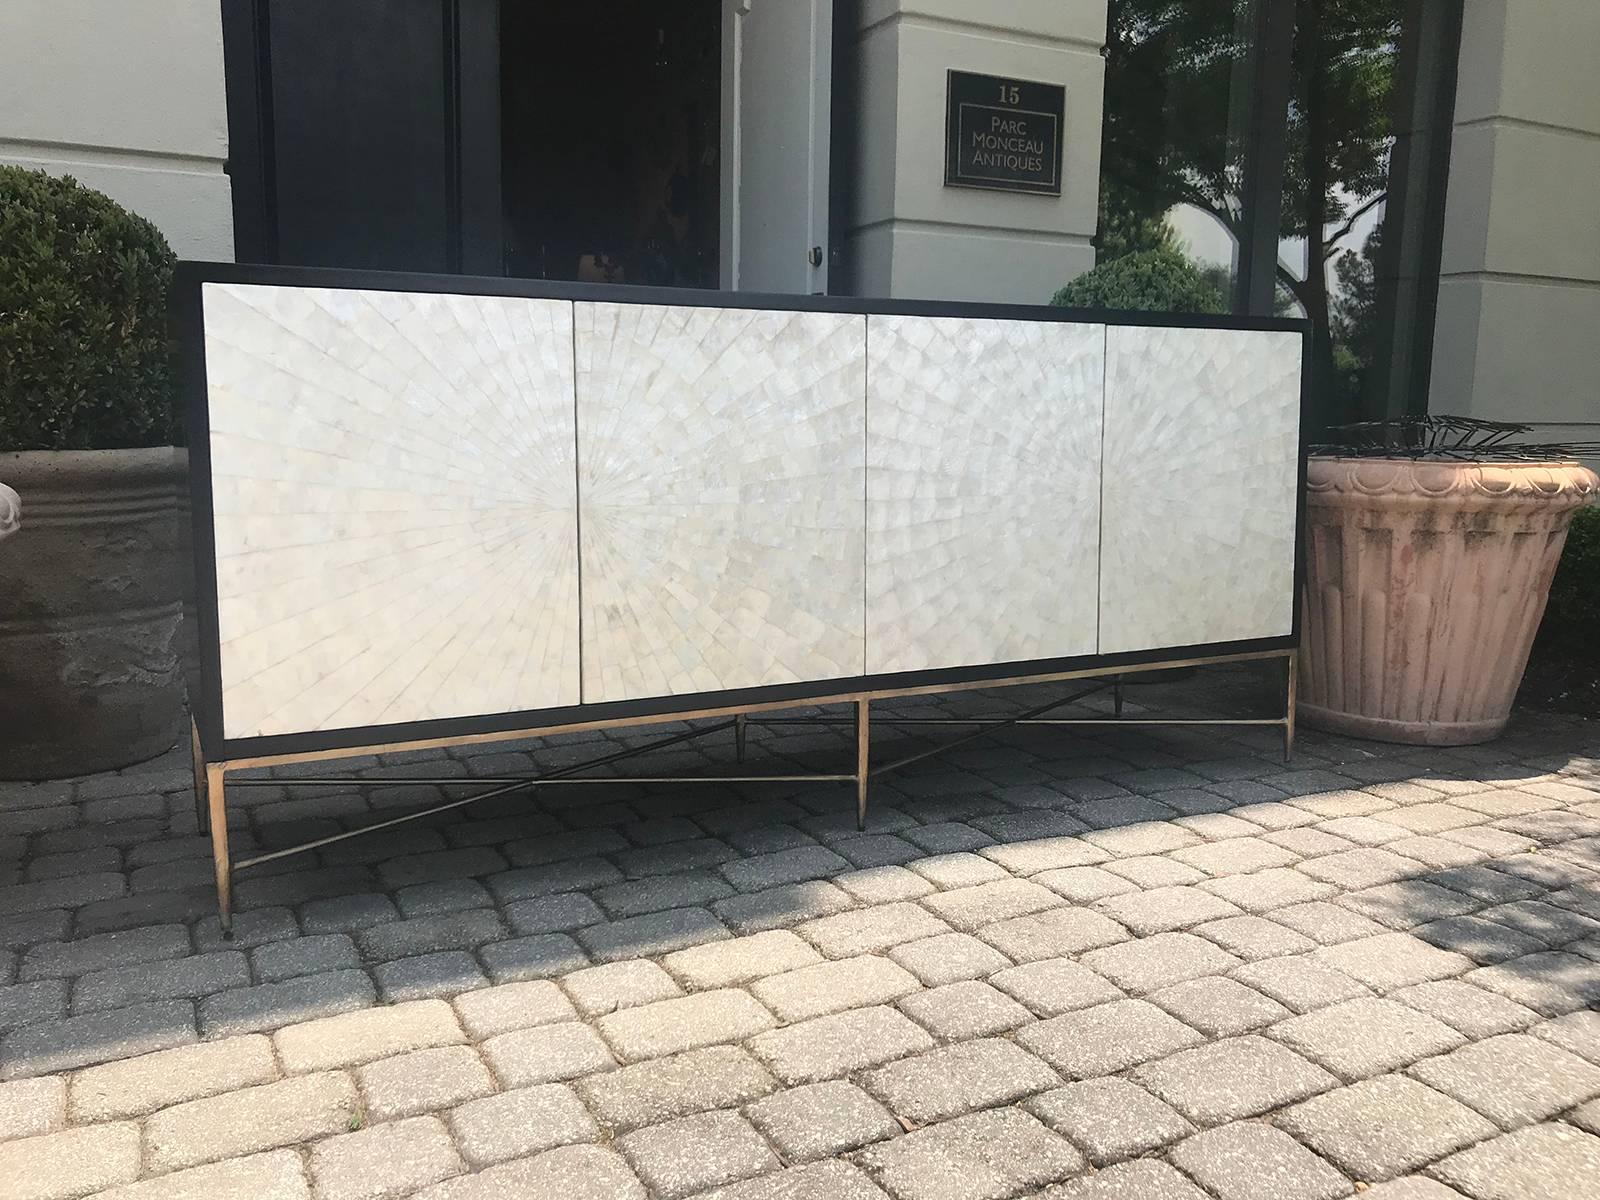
(1175, 74)
(1572, 616)
(85, 355)
(1354, 318)
(1125, 226)
(1162, 280)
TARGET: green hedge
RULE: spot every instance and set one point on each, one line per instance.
(1572, 617)
(1162, 280)
(85, 352)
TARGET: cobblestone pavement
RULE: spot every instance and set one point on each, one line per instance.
(1126, 966)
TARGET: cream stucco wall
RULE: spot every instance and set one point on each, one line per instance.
(1518, 333)
(908, 234)
(126, 97)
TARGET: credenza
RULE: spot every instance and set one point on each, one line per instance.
(431, 509)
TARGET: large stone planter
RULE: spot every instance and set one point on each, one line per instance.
(90, 608)
(1425, 584)
(10, 511)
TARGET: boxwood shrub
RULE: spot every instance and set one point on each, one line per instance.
(1572, 616)
(1162, 280)
(85, 350)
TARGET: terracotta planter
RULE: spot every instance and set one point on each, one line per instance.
(90, 608)
(1425, 583)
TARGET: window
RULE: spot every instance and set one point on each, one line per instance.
(1283, 157)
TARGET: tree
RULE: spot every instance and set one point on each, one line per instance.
(1176, 77)
(1354, 315)
(1126, 228)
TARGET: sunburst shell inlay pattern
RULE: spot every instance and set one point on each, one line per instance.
(394, 499)
(432, 506)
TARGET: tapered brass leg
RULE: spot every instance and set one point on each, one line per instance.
(219, 846)
(1288, 716)
(863, 740)
(202, 816)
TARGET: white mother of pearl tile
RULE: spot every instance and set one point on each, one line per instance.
(983, 476)
(1201, 474)
(395, 505)
(721, 459)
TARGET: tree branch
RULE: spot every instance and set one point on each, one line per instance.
(1331, 245)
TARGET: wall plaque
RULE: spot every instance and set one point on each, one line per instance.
(1003, 133)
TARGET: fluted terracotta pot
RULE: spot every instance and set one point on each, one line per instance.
(91, 598)
(1425, 584)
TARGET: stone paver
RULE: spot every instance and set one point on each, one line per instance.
(695, 1153)
(1485, 942)
(512, 1006)
(1218, 1006)
(1547, 1160)
(730, 963)
(271, 1006)
(663, 1089)
(423, 1081)
(618, 985)
(32, 1106)
(1232, 1079)
(1055, 986)
(1060, 965)
(359, 1037)
(1145, 1179)
(386, 1160)
(1392, 960)
(1514, 1079)
(1162, 910)
(1107, 1038)
(46, 1046)
(1578, 1032)
(958, 1079)
(1300, 982)
(1052, 934)
(1361, 1038)
(669, 1026)
(968, 1009)
(948, 958)
(72, 1162)
(985, 1156)
(570, 1172)
(831, 987)
(275, 1175)
(1327, 924)
(1151, 963)
(547, 1053)
(136, 1086)
(971, 908)
(816, 1181)
(251, 1120)
(1381, 1128)
(518, 1123)
(821, 1119)
(1109, 1119)
(1551, 983)
(870, 930)
(1256, 1162)
(828, 1047)
(1475, 1012)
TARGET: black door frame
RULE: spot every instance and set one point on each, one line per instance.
(471, 87)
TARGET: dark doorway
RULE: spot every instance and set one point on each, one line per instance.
(365, 133)
(610, 136)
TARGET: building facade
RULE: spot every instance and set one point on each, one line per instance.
(806, 146)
